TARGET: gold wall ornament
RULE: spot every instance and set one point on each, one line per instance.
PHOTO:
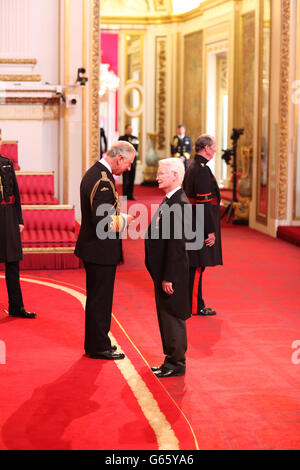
(284, 108)
(161, 91)
(133, 98)
(20, 78)
(32, 100)
(162, 5)
(18, 61)
(94, 81)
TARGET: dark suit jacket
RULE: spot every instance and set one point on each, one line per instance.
(10, 214)
(167, 259)
(100, 182)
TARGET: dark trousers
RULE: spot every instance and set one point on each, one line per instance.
(12, 277)
(196, 295)
(128, 180)
(100, 281)
(173, 334)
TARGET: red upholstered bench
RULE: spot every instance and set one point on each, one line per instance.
(48, 226)
(9, 149)
(36, 187)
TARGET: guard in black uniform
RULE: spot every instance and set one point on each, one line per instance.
(11, 225)
(181, 145)
(129, 176)
(201, 187)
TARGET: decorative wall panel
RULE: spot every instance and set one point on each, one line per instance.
(247, 98)
(192, 84)
(94, 80)
(284, 107)
(160, 91)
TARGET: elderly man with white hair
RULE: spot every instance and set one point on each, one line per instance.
(167, 262)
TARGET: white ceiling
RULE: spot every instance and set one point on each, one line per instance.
(146, 7)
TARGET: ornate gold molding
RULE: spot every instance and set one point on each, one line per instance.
(284, 108)
(32, 100)
(54, 207)
(18, 61)
(161, 5)
(53, 249)
(94, 81)
(25, 173)
(20, 78)
(161, 91)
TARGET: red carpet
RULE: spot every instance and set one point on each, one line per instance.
(241, 390)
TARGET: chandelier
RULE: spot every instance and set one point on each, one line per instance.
(109, 81)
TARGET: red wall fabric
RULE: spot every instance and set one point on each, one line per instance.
(109, 48)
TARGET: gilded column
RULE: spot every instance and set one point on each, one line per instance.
(284, 108)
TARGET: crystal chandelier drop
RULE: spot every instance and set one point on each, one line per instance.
(109, 81)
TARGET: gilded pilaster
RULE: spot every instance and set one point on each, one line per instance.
(284, 108)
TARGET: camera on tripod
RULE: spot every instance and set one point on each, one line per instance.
(226, 155)
(235, 135)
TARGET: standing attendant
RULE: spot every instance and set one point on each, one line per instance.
(201, 187)
(99, 245)
(11, 226)
(167, 261)
(181, 145)
(129, 176)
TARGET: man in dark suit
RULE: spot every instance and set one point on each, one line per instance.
(167, 262)
(129, 176)
(181, 145)
(202, 188)
(11, 226)
(99, 245)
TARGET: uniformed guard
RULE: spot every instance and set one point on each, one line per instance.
(181, 145)
(129, 176)
(99, 245)
(201, 187)
(11, 226)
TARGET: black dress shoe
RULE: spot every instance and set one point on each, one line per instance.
(131, 198)
(109, 354)
(164, 372)
(206, 311)
(156, 368)
(22, 313)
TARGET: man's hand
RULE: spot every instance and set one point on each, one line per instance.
(167, 287)
(21, 227)
(128, 218)
(210, 240)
